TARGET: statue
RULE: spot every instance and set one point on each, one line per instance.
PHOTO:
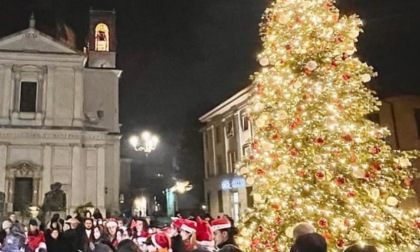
(55, 200)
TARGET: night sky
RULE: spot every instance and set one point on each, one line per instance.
(180, 58)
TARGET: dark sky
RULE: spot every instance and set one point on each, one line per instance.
(182, 57)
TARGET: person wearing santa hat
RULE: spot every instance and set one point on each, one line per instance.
(204, 236)
(224, 233)
(175, 235)
(111, 231)
(139, 228)
(159, 242)
(188, 229)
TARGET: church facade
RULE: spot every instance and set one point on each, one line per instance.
(59, 119)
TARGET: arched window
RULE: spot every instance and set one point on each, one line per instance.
(101, 37)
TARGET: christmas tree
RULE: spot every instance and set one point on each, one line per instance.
(315, 157)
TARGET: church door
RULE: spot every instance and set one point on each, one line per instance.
(23, 193)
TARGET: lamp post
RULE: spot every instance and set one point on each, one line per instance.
(180, 187)
(145, 142)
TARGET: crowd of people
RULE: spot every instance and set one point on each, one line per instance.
(92, 233)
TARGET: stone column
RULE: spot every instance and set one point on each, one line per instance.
(77, 177)
(46, 172)
(116, 175)
(5, 106)
(3, 164)
(15, 95)
(35, 195)
(78, 98)
(100, 177)
(49, 96)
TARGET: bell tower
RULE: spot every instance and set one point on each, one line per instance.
(102, 39)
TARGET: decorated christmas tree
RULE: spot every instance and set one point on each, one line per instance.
(315, 157)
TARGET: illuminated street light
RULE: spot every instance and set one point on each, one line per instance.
(146, 142)
(181, 187)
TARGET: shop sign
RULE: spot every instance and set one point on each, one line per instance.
(233, 183)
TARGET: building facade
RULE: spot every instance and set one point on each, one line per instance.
(226, 132)
(59, 118)
(225, 136)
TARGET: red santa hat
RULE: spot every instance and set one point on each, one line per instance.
(204, 233)
(189, 226)
(177, 222)
(221, 223)
(112, 223)
(161, 240)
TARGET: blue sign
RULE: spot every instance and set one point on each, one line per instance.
(233, 183)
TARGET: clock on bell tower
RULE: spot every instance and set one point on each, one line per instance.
(102, 39)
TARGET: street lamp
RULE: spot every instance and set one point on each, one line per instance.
(146, 142)
(180, 187)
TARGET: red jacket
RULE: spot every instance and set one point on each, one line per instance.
(35, 239)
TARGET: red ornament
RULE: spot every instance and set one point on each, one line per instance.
(328, 5)
(327, 235)
(346, 222)
(255, 243)
(276, 136)
(307, 96)
(416, 224)
(375, 150)
(345, 56)
(308, 71)
(301, 172)
(353, 158)
(271, 126)
(260, 88)
(275, 206)
(319, 140)
(320, 175)
(260, 171)
(323, 223)
(278, 220)
(351, 194)
(340, 106)
(340, 243)
(376, 166)
(333, 64)
(340, 181)
(347, 137)
(368, 175)
(254, 145)
(293, 125)
(346, 76)
(294, 152)
(288, 47)
(339, 39)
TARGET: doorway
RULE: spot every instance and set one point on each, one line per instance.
(236, 206)
(23, 193)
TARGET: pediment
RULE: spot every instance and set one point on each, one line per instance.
(32, 40)
(24, 166)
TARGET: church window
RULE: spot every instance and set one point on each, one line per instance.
(102, 38)
(28, 93)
